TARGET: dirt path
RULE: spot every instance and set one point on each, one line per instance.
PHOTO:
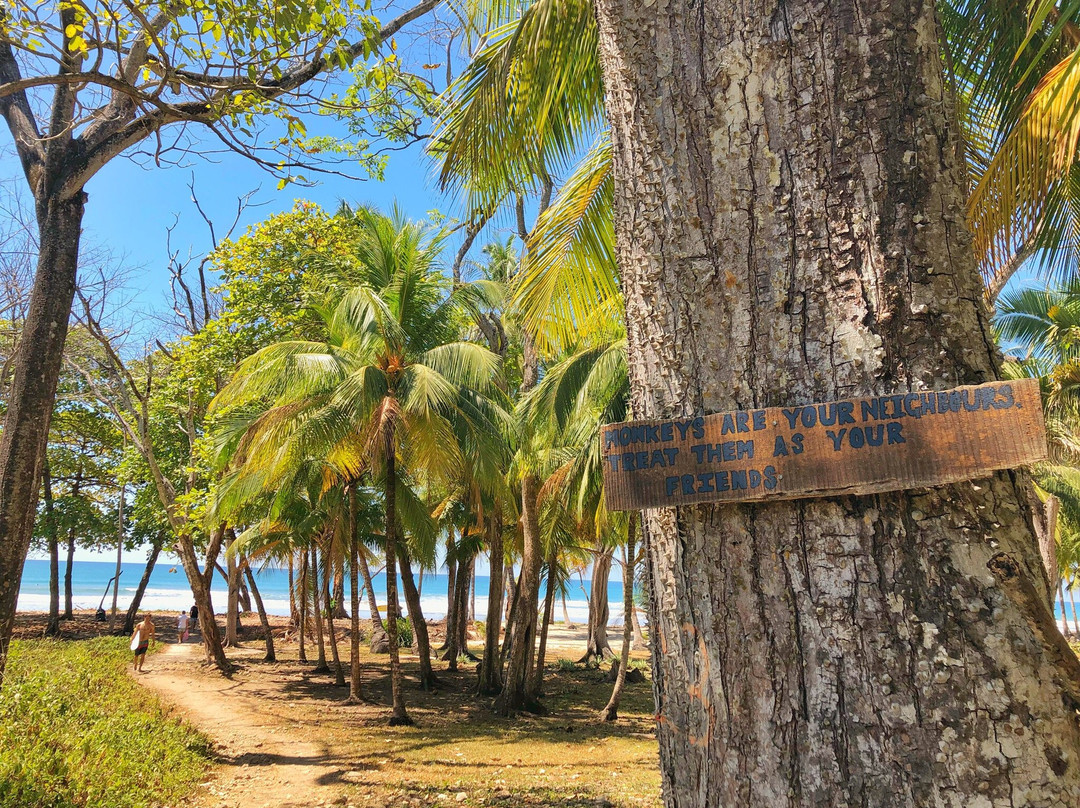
(268, 759)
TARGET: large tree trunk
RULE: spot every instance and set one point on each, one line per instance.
(52, 628)
(271, 656)
(355, 693)
(515, 694)
(490, 671)
(611, 709)
(140, 590)
(200, 590)
(398, 714)
(597, 645)
(790, 229)
(416, 617)
(36, 369)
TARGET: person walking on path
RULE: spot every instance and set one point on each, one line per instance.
(182, 627)
(140, 640)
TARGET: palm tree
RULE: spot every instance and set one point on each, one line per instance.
(392, 391)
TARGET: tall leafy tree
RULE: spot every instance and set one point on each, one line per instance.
(392, 391)
(82, 84)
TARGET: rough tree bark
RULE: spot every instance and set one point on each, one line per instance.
(790, 229)
(490, 670)
(35, 372)
(596, 645)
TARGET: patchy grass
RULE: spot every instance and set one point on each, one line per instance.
(77, 732)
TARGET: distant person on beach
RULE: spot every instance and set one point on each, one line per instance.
(144, 633)
(182, 627)
(194, 613)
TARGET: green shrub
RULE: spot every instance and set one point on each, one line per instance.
(566, 665)
(77, 732)
(404, 633)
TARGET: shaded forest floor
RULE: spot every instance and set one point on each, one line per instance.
(282, 737)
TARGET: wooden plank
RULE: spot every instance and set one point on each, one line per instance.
(857, 446)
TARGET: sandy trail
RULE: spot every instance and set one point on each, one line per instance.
(267, 760)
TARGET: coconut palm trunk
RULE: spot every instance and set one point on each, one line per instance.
(597, 646)
(490, 666)
(611, 709)
(264, 620)
(398, 716)
(789, 209)
(355, 691)
(303, 604)
(536, 678)
(339, 671)
(316, 611)
(378, 630)
(416, 617)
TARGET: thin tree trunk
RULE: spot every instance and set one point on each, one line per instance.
(515, 694)
(789, 220)
(1064, 624)
(69, 566)
(339, 671)
(264, 621)
(611, 710)
(52, 628)
(1072, 603)
(140, 590)
(119, 556)
(510, 578)
(292, 594)
(29, 399)
(597, 646)
(490, 674)
(355, 692)
(468, 593)
(451, 591)
(200, 590)
(303, 603)
(338, 601)
(566, 614)
(378, 629)
(457, 605)
(232, 611)
(416, 617)
(536, 680)
(316, 611)
(398, 716)
(639, 636)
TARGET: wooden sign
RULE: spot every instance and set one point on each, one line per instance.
(858, 446)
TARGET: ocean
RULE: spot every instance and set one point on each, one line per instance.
(168, 590)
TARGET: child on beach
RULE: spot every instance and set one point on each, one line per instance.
(144, 632)
(182, 627)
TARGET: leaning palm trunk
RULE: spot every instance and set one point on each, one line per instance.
(789, 210)
(303, 604)
(490, 668)
(378, 632)
(611, 710)
(451, 590)
(416, 617)
(264, 621)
